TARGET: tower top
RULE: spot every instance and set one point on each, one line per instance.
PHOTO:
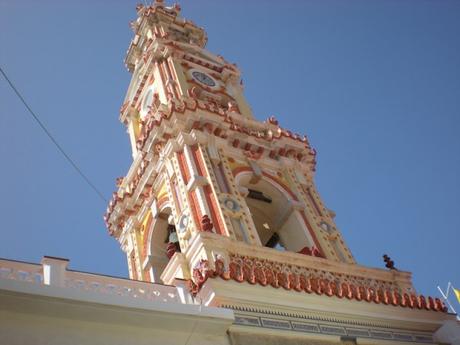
(160, 22)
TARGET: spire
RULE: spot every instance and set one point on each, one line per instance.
(160, 22)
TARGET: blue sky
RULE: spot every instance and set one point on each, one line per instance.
(374, 84)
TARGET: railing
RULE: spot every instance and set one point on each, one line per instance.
(121, 287)
(21, 271)
(54, 272)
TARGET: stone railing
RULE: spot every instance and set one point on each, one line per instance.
(21, 271)
(213, 256)
(212, 246)
(54, 272)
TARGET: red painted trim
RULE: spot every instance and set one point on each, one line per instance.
(195, 209)
(313, 201)
(193, 200)
(170, 76)
(174, 72)
(210, 197)
(312, 233)
(183, 166)
(216, 219)
(198, 161)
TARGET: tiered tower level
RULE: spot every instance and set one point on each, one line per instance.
(223, 201)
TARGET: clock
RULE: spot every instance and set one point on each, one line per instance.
(203, 78)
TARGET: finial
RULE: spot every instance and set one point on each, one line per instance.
(388, 262)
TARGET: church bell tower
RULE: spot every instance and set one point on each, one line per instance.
(227, 203)
(203, 165)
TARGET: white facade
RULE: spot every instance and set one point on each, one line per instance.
(82, 308)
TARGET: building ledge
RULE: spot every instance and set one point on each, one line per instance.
(214, 256)
(25, 287)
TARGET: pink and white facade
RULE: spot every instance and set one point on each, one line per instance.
(223, 208)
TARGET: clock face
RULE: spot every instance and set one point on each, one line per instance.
(203, 78)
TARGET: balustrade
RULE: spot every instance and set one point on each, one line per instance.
(54, 272)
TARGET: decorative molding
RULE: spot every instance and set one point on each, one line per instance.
(196, 181)
(275, 274)
(319, 327)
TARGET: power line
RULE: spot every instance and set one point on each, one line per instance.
(42, 126)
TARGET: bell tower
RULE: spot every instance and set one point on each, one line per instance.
(203, 163)
(228, 204)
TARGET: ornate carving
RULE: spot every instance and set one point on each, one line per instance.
(206, 224)
(264, 272)
(313, 251)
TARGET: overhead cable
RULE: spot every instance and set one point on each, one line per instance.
(47, 132)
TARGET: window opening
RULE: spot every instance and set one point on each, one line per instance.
(172, 241)
(279, 225)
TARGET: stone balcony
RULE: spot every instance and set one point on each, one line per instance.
(212, 256)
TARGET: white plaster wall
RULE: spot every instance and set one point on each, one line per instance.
(40, 315)
(20, 329)
(293, 235)
(31, 328)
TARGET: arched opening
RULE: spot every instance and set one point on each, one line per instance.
(278, 222)
(163, 243)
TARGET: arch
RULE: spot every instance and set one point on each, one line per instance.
(242, 171)
(279, 222)
(156, 241)
(163, 207)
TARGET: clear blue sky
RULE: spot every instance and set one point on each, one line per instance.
(374, 84)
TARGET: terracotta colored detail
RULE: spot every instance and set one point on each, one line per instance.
(263, 272)
(206, 224)
(313, 251)
(312, 233)
(179, 106)
(192, 103)
(171, 249)
(209, 195)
